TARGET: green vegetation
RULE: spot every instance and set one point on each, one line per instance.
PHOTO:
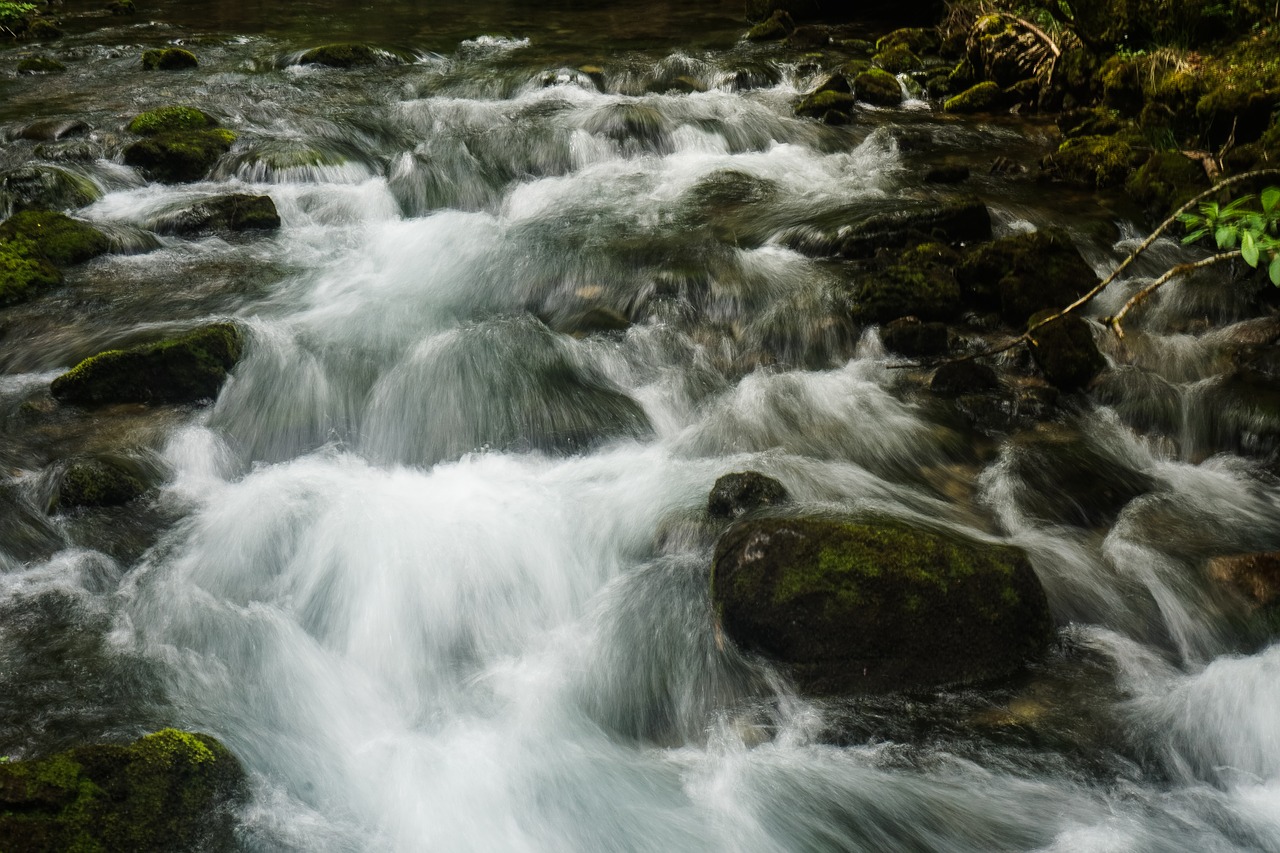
(58, 239)
(983, 97)
(168, 791)
(15, 17)
(186, 369)
(168, 59)
(23, 271)
(94, 482)
(1250, 222)
(171, 120)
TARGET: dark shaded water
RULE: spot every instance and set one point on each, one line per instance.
(436, 570)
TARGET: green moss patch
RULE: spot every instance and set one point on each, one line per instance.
(169, 791)
(56, 238)
(170, 120)
(982, 98)
(180, 157)
(821, 102)
(185, 369)
(168, 59)
(1092, 161)
(96, 482)
(877, 86)
(23, 272)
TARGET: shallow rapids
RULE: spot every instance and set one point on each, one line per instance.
(434, 564)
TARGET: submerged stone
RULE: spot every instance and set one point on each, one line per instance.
(167, 792)
(168, 59)
(45, 187)
(185, 369)
(345, 55)
(40, 65)
(96, 482)
(876, 606)
(735, 495)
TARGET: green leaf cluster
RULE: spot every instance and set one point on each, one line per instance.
(1250, 223)
(13, 13)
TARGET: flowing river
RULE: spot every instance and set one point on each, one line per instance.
(436, 570)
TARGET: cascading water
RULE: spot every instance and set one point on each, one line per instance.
(436, 571)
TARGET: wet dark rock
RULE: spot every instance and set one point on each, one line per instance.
(35, 187)
(915, 339)
(947, 173)
(122, 7)
(52, 130)
(1065, 352)
(168, 59)
(185, 369)
(964, 377)
(44, 29)
(1165, 182)
(777, 26)
(1068, 478)
(918, 282)
(809, 38)
(879, 87)
(876, 606)
(735, 495)
(1023, 274)
(862, 235)
(985, 97)
(1096, 162)
(167, 792)
(223, 214)
(887, 11)
(915, 39)
(58, 239)
(1255, 576)
(96, 482)
(40, 65)
(346, 55)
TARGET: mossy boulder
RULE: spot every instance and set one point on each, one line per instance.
(985, 97)
(40, 65)
(1091, 121)
(345, 55)
(915, 39)
(735, 495)
(92, 482)
(23, 272)
(876, 606)
(172, 119)
(122, 7)
(231, 213)
(1024, 273)
(1165, 182)
(167, 792)
(777, 26)
(180, 157)
(952, 222)
(34, 187)
(915, 338)
(1092, 161)
(1065, 477)
(877, 86)
(1065, 351)
(168, 59)
(823, 101)
(55, 237)
(919, 282)
(897, 60)
(185, 369)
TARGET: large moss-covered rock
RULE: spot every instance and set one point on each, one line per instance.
(1065, 352)
(180, 157)
(34, 187)
(876, 606)
(1092, 161)
(40, 65)
(92, 482)
(919, 283)
(985, 97)
(172, 119)
(168, 792)
(56, 238)
(915, 39)
(23, 272)
(823, 101)
(227, 213)
(1165, 182)
(1024, 273)
(168, 59)
(877, 86)
(777, 26)
(897, 60)
(185, 369)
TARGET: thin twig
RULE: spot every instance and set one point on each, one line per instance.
(1169, 274)
(1043, 35)
(1102, 285)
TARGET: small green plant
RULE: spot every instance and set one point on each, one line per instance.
(13, 17)
(1250, 223)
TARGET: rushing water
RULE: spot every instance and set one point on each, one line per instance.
(437, 571)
